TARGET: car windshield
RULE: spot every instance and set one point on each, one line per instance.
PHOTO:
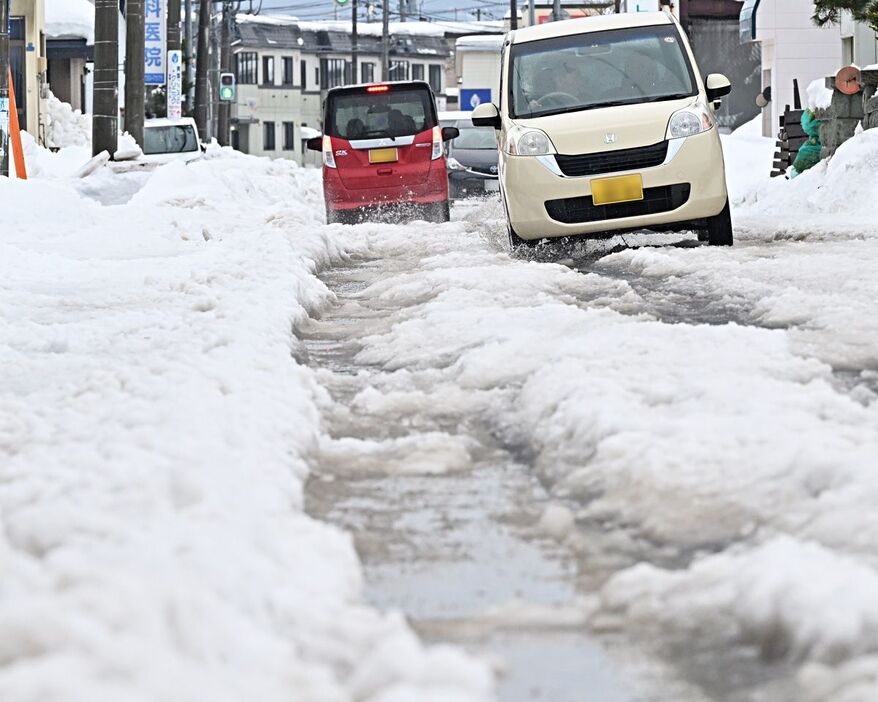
(599, 69)
(394, 113)
(479, 138)
(169, 139)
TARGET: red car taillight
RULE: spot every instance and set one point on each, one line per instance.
(328, 156)
(437, 143)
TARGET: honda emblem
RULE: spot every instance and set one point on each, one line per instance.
(610, 138)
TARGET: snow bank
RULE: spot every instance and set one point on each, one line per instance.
(66, 126)
(154, 439)
(70, 18)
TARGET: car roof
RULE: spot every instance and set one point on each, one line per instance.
(165, 122)
(583, 25)
(392, 83)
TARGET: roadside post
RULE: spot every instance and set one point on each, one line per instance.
(4, 88)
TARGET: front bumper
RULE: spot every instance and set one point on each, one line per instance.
(433, 189)
(530, 182)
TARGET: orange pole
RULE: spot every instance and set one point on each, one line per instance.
(15, 133)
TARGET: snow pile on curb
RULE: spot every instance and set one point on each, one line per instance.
(67, 127)
(154, 436)
(810, 205)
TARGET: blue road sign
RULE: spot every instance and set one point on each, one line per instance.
(471, 98)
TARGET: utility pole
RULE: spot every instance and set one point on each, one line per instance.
(105, 121)
(4, 87)
(175, 42)
(531, 14)
(190, 58)
(355, 49)
(385, 40)
(556, 11)
(225, 108)
(135, 89)
(513, 14)
(402, 10)
(201, 66)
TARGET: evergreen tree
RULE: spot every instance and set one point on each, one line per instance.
(829, 11)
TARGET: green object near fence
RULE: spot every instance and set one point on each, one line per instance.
(809, 152)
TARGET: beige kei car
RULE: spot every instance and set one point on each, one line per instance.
(605, 125)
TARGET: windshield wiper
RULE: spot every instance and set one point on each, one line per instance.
(672, 96)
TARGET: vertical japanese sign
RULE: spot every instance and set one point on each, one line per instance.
(155, 42)
(175, 84)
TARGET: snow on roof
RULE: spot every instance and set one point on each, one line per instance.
(480, 42)
(70, 18)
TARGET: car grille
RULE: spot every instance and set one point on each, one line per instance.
(612, 161)
(484, 169)
(574, 210)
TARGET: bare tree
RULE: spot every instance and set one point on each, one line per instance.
(134, 69)
(105, 120)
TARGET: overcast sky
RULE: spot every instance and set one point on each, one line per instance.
(435, 9)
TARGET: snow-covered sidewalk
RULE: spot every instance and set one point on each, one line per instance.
(154, 434)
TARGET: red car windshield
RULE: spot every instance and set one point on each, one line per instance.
(396, 112)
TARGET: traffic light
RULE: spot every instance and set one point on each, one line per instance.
(341, 2)
(227, 87)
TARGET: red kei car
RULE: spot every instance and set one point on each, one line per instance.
(383, 150)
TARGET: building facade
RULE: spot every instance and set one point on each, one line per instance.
(793, 48)
(27, 60)
(859, 43)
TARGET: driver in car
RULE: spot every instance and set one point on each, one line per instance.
(561, 84)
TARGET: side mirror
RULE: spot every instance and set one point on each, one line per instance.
(717, 85)
(486, 115)
(315, 143)
(449, 133)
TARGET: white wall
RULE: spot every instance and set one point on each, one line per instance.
(792, 47)
(481, 69)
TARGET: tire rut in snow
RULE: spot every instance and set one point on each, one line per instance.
(443, 518)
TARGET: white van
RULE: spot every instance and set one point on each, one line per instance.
(605, 125)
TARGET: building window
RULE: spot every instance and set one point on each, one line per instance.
(288, 70)
(418, 71)
(367, 72)
(317, 75)
(303, 77)
(268, 136)
(268, 70)
(334, 72)
(399, 70)
(245, 67)
(436, 78)
(289, 136)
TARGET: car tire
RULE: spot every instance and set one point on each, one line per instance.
(515, 241)
(719, 228)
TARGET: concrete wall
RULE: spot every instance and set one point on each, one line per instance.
(792, 47)
(718, 49)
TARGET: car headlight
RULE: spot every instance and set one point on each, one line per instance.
(453, 164)
(521, 141)
(689, 121)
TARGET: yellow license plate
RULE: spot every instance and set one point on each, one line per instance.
(607, 191)
(383, 155)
